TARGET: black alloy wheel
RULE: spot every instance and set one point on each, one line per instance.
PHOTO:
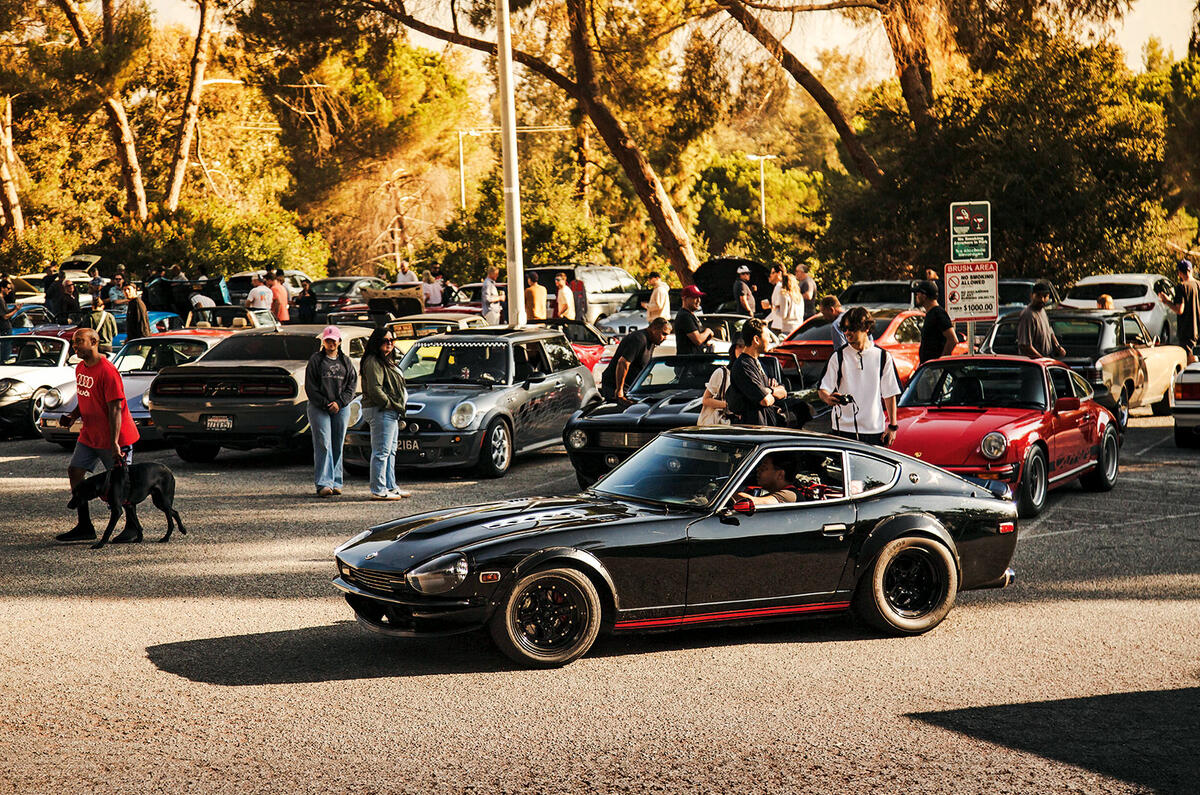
(548, 619)
(1034, 485)
(909, 588)
(1104, 476)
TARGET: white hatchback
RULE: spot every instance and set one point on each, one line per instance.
(1132, 292)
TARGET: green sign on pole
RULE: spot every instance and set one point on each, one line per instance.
(970, 231)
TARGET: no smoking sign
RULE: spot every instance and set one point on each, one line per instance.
(972, 291)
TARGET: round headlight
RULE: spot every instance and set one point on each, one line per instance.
(6, 384)
(52, 399)
(577, 439)
(356, 413)
(463, 414)
(439, 575)
(993, 445)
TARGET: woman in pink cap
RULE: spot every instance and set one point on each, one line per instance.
(329, 382)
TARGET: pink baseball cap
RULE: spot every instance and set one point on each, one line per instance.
(332, 333)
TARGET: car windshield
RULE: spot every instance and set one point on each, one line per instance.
(634, 302)
(27, 352)
(672, 373)
(333, 286)
(818, 329)
(676, 470)
(264, 347)
(1079, 336)
(1012, 293)
(240, 284)
(220, 316)
(882, 293)
(154, 355)
(466, 362)
(977, 384)
(1120, 291)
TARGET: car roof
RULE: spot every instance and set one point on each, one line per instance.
(775, 437)
(33, 337)
(1000, 358)
(1122, 278)
(501, 332)
(310, 330)
(187, 334)
(448, 316)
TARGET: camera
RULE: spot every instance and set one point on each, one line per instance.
(843, 400)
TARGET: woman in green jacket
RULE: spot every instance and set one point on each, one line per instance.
(384, 396)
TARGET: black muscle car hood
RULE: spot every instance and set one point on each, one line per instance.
(404, 543)
(666, 406)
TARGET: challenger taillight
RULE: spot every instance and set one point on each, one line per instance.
(179, 388)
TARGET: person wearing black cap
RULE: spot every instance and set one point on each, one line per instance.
(1035, 337)
(1186, 304)
(742, 293)
(937, 333)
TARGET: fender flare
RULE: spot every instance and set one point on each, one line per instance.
(583, 559)
(905, 524)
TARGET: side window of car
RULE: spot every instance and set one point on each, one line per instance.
(1083, 389)
(529, 358)
(909, 331)
(797, 476)
(868, 474)
(562, 356)
(1060, 381)
(1164, 286)
(357, 347)
(1132, 330)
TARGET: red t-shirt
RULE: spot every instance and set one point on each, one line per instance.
(97, 386)
(281, 294)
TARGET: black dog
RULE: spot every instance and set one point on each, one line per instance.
(123, 487)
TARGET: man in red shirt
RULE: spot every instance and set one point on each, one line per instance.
(108, 431)
(279, 297)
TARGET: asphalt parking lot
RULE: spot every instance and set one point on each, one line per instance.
(224, 661)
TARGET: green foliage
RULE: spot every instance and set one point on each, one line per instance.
(1182, 99)
(48, 240)
(1057, 138)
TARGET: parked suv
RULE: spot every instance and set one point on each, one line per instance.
(1132, 292)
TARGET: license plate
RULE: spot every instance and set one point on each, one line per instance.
(218, 423)
(407, 445)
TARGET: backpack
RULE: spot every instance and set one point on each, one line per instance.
(710, 416)
(885, 359)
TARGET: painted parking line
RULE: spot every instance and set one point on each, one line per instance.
(1150, 447)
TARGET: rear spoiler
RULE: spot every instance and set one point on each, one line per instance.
(238, 370)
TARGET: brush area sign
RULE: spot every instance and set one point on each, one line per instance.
(970, 231)
(972, 291)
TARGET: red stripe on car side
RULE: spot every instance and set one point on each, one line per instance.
(730, 615)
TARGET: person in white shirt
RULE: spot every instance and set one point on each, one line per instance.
(659, 304)
(791, 304)
(566, 299)
(405, 275)
(714, 409)
(260, 295)
(431, 290)
(199, 300)
(773, 319)
(860, 384)
(491, 299)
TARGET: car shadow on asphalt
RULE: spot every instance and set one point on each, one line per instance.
(343, 651)
(1150, 739)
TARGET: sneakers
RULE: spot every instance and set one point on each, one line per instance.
(336, 491)
(391, 495)
(401, 493)
(77, 533)
(324, 491)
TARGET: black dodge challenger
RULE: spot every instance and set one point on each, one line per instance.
(701, 526)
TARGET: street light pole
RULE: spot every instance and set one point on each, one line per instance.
(462, 174)
(508, 149)
(762, 185)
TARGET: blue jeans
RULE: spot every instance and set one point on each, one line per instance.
(385, 427)
(328, 439)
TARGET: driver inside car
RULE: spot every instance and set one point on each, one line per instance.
(776, 484)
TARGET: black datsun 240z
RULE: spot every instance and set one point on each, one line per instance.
(700, 526)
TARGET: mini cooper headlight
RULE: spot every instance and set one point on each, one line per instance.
(464, 414)
(52, 399)
(440, 574)
(993, 445)
(577, 439)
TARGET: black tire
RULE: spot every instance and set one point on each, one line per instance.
(496, 455)
(1185, 437)
(1104, 476)
(584, 483)
(1034, 485)
(548, 619)
(1163, 407)
(198, 452)
(1122, 412)
(68, 446)
(909, 588)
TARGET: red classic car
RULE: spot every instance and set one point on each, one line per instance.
(1031, 423)
(589, 343)
(897, 331)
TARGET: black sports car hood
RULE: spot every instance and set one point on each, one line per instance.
(663, 405)
(404, 543)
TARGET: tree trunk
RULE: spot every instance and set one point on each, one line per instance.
(191, 108)
(583, 161)
(10, 200)
(904, 24)
(118, 123)
(864, 163)
(671, 232)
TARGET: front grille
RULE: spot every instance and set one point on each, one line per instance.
(412, 427)
(623, 439)
(372, 580)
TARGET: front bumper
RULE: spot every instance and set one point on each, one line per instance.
(51, 431)
(1005, 473)
(593, 463)
(1187, 416)
(434, 448)
(399, 616)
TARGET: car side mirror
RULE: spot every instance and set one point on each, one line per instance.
(1067, 404)
(745, 507)
(535, 377)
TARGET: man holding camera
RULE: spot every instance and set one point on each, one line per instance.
(861, 385)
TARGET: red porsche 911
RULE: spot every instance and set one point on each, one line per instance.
(1031, 423)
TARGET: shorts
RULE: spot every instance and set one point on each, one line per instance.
(86, 458)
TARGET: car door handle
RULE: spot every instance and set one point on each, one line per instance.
(838, 530)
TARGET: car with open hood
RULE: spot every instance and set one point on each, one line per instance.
(478, 397)
(246, 393)
(31, 366)
(701, 527)
(1030, 423)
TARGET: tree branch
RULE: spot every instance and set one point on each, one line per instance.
(833, 5)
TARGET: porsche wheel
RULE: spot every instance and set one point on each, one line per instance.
(35, 408)
(198, 452)
(910, 587)
(1104, 476)
(548, 619)
(1034, 485)
(496, 455)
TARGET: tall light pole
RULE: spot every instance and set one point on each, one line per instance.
(508, 151)
(762, 184)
